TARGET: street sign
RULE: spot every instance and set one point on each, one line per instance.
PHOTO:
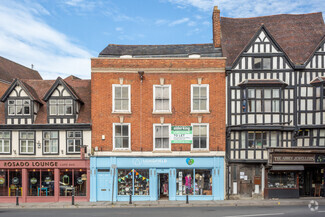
(182, 134)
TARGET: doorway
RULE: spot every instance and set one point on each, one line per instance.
(311, 182)
(163, 186)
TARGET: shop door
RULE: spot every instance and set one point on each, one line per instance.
(163, 186)
(103, 185)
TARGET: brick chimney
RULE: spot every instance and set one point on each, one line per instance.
(216, 27)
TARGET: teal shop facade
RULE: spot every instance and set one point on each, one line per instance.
(154, 178)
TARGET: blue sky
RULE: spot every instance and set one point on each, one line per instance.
(60, 36)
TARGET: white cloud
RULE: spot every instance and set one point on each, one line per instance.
(180, 21)
(191, 23)
(161, 22)
(119, 29)
(25, 38)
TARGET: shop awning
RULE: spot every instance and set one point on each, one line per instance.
(287, 168)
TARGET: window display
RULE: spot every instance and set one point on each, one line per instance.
(203, 182)
(66, 181)
(15, 183)
(184, 182)
(47, 182)
(80, 182)
(282, 180)
(34, 188)
(133, 181)
(3, 183)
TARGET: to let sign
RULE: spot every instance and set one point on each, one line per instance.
(182, 134)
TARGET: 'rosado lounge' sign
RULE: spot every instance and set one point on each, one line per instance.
(44, 164)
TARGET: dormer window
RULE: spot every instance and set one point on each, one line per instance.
(262, 63)
(19, 107)
(61, 107)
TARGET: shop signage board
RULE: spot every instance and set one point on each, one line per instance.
(297, 158)
(182, 135)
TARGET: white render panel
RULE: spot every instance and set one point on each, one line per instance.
(56, 92)
(249, 63)
(15, 121)
(275, 62)
(250, 155)
(242, 155)
(51, 121)
(29, 121)
(22, 121)
(317, 117)
(258, 154)
(65, 93)
(23, 93)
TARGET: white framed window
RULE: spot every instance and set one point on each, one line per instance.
(200, 136)
(74, 141)
(19, 107)
(122, 136)
(50, 142)
(161, 136)
(60, 106)
(121, 98)
(4, 142)
(199, 98)
(27, 142)
(162, 98)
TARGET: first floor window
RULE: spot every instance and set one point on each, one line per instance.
(50, 142)
(74, 141)
(257, 139)
(27, 142)
(261, 100)
(121, 98)
(200, 136)
(4, 142)
(121, 136)
(161, 136)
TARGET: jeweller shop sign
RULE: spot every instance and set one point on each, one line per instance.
(182, 134)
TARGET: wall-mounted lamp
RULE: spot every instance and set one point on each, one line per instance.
(141, 75)
(38, 144)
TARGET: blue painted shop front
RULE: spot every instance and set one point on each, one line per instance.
(154, 178)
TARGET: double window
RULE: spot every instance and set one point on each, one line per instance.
(261, 100)
(61, 107)
(27, 142)
(4, 142)
(262, 63)
(74, 141)
(257, 139)
(121, 98)
(19, 107)
(50, 142)
(162, 98)
(122, 136)
(199, 98)
(200, 136)
(161, 134)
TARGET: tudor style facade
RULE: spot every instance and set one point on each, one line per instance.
(275, 116)
(44, 140)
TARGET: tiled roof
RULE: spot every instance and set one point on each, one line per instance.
(10, 70)
(297, 34)
(174, 50)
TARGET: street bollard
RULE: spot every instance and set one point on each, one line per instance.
(72, 202)
(17, 197)
(130, 200)
(187, 199)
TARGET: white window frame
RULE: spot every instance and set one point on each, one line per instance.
(208, 98)
(154, 137)
(129, 126)
(27, 142)
(170, 99)
(208, 135)
(113, 98)
(74, 138)
(56, 105)
(51, 139)
(2, 141)
(22, 106)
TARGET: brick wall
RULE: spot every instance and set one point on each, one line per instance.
(142, 119)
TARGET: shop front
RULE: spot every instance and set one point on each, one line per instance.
(295, 173)
(156, 178)
(44, 180)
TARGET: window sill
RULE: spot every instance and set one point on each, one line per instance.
(121, 150)
(200, 112)
(125, 113)
(162, 113)
(199, 151)
(162, 151)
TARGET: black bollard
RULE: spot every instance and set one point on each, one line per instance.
(72, 202)
(130, 200)
(17, 197)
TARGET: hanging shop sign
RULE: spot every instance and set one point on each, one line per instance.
(182, 135)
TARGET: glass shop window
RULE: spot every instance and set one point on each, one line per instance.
(133, 181)
(184, 182)
(80, 182)
(15, 183)
(3, 183)
(141, 182)
(47, 182)
(66, 183)
(282, 180)
(34, 183)
(125, 182)
(203, 182)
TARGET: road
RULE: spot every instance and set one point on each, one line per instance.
(279, 211)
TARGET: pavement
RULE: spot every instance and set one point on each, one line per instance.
(166, 203)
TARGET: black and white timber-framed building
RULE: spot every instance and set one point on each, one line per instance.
(275, 105)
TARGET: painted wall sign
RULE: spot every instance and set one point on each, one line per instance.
(182, 134)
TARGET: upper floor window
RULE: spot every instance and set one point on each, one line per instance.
(121, 98)
(162, 98)
(161, 134)
(199, 98)
(27, 142)
(50, 142)
(200, 136)
(60, 106)
(257, 139)
(261, 100)
(262, 63)
(4, 142)
(320, 98)
(122, 136)
(19, 107)
(74, 141)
